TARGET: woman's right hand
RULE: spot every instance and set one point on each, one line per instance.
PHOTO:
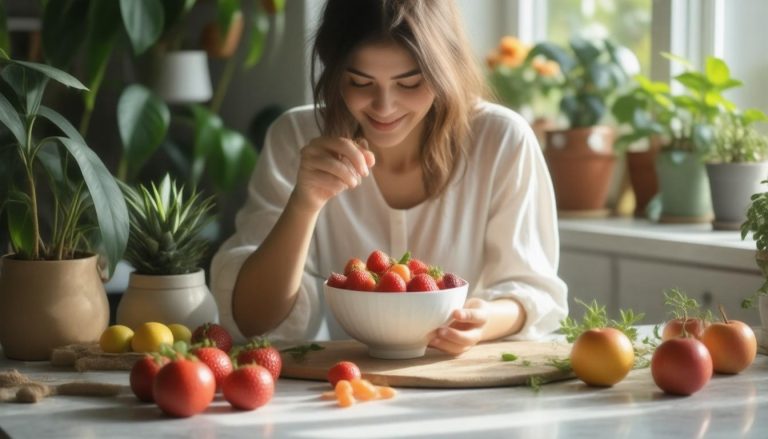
(329, 166)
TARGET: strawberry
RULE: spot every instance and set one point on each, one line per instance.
(261, 352)
(216, 360)
(378, 262)
(391, 282)
(450, 280)
(353, 264)
(337, 280)
(417, 266)
(214, 332)
(343, 370)
(422, 282)
(249, 387)
(360, 281)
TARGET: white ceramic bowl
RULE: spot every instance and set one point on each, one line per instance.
(393, 325)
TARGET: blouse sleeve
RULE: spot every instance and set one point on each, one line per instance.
(522, 243)
(268, 192)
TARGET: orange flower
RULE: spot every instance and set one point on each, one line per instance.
(545, 67)
(512, 51)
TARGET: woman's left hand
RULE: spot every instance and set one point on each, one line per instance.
(465, 330)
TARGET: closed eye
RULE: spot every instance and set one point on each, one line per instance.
(357, 84)
(412, 86)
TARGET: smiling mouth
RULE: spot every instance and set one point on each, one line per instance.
(385, 126)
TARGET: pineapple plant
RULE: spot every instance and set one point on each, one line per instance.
(165, 226)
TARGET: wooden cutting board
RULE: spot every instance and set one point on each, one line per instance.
(479, 367)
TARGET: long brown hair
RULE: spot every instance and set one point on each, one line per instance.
(432, 31)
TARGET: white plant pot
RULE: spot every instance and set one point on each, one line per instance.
(182, 77)
(179, 298)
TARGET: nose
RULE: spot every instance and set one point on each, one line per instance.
(383, 101)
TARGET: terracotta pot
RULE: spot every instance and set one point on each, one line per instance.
(222, 48)
(641, 167)
(581, 162)
(178, 298)
(47, 304)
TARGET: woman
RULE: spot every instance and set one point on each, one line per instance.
(399, 153)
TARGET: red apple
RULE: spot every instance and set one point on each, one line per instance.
(732, 344)
(681, 366)
(602, 356)
(693, 327)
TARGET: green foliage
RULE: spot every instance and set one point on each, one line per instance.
(595, 316)
(87, 210)
(737, 141)
(684, 307)
(508, 356)
(757, 224)
(165, 228)
(687, 121)
(593, 71)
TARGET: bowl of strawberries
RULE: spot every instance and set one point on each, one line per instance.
(391, 305)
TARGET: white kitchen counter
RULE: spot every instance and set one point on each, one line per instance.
(729, 406)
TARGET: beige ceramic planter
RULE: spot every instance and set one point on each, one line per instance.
(47, 304)
(179, 298)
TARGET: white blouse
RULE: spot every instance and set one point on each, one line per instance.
(495, 226)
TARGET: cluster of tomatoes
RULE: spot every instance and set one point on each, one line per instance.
(690, 351)
(183, 380)
(349, 387)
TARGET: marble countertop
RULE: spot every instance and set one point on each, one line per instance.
(729, 406)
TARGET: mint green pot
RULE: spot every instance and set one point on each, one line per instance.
(684, 188)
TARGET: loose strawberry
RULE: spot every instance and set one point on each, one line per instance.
(450, 280)
(343, 370)
(260, 351)
(417, 266)
(360, 281)
(354, 264)
(249, 387)
(214, 332)
(378, 262)
(216, 360)
(337, 280)
(391, 282)
(422, 282)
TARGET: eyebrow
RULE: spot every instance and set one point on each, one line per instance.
(400, 76)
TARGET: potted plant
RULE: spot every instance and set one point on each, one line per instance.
(526, 84)
(757, 224)
(684, 125)
(736, 165)
(51, 291)
(165, 248)
(581, 158)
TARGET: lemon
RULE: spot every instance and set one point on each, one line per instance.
(116, 339)
(149, 336)
(180, 332)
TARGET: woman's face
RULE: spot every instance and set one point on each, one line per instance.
(386, 93)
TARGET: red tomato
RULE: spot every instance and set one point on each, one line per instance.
(249, 387)
(693, 327)
(184, 387)
(732, 344)
(143, 375)
(681, 366)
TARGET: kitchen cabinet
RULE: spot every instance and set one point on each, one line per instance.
(628, 263)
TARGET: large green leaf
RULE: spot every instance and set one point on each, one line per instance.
(28, 85)
(62, 123)
(103, 26)
(108, 201)
(143, 120)
(717, 71)
(225, 12)
(232, 161)
(54, 73)
(20, 222)
(63, 30)
(10, 118)
(143, 21)
(258, 38)
(208, 126)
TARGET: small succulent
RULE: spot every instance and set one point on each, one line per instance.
(165, 231)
